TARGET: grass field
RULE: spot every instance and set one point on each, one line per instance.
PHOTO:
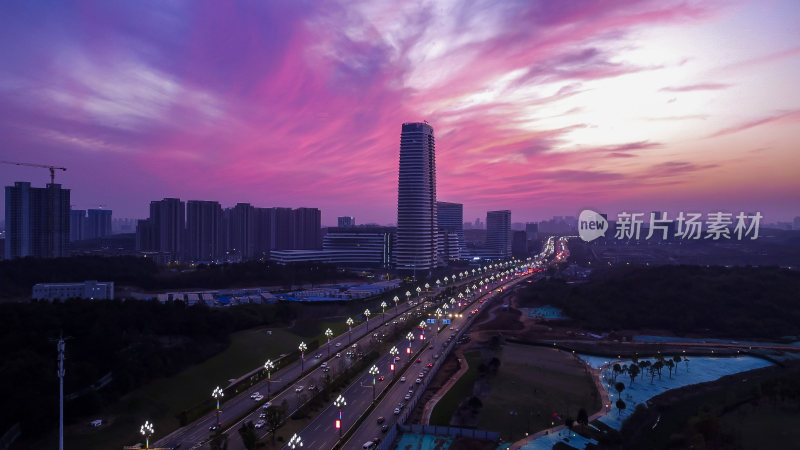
(534, 383)
(462, 389)
(161, 400)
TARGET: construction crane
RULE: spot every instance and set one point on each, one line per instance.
(43, 166)
(52, 195)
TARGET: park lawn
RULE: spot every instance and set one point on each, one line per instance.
(161, 400)
(534, 383)
(447, 405)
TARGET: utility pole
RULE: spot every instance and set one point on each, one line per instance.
(61, 345)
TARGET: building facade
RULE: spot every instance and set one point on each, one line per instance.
(416, 238)
(77, 223)
(450, 219)
(90, 290)
(498, 233)
(37, 221)
(203, 230)
(98, 223)
(168, 222)
(346, 222)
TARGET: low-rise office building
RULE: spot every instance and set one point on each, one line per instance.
(91, 290)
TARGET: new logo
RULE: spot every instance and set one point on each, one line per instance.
(591, 225)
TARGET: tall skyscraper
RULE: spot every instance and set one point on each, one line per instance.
(77, 222)
(203, 230)
(416, 199)
(168, 219)
(450, 218)
(345, 222)
(307, 228)
(98, 223)
(498, 233)
(281, 223)
(37, 221)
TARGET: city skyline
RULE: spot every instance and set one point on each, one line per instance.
(644, 105)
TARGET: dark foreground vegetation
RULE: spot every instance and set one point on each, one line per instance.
(134, 341)
(743, 302)
(18, 276)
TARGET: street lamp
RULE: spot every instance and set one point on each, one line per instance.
(427, 287)
(329, 334)
(419, 289)
(396, 299)
(393, 351)
(302, 347)
(438, 283)
(422, 327)
(367, 314)
(408, 296)
(147, 431)
(295, 441)
(383, 308)
(269, 366)
(349, 323)
(217, 394)
(374, 372)
(339, 402)
(446, 280)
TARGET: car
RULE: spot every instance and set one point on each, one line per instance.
(298, 389)
(418, 381)
(402, 379)
(260, 424)
(318, 356)
(401, 405)
(451, 328)
(263, 415)
(424, 371)
(380, 420)
(312, 388)
(396, 358)
(407, 397)
(381, 378)
(411, 390)
(338, 355)
(396, 411)
(255, 394)
(429, 365)
(421, 375)
(324, 365)
(259, 398)
(338, 344)
(212, 428)
(266, 405)
(384, 428)
(419, 361)
(326, 369)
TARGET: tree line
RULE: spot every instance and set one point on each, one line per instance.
(745, 302)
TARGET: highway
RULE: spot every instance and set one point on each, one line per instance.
(196, 434)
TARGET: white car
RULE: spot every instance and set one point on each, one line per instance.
(338, 344)
(418, 381)
(323, 365)
(258, 398)
(298, 389)
(260, 424)
(396, 411)
(407, 397)
(254, 394)
(402, 379)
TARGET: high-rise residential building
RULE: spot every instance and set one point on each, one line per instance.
(98, 223)
(532, 231)
(77, 222)
(168, 219)
(498, 233)
(416, 237)
(281, 225)
(241, 231)
(450, 219)
(37, 221)
(203, 230)
(347, 222)
(145, 241)
(307, 228)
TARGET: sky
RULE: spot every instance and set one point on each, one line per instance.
(541, 107)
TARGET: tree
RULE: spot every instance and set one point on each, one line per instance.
(633, 372)
(583, 418)
(658, 366)
(677, 360)
(274, 419)
(670, 365)
(248, 433)
(219, 441)
(617, 370)
(619, 386)
(620, 407)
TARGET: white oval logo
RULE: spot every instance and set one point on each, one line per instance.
(591, 225)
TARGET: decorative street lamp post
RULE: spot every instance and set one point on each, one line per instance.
(269, 366)
(383, 308)
(217, 394)
(367, 314)
(374, 372)
(302, 347)
(438, 283)
(396, 299)
(410, 337)
(147, 431)
(419, 289)
(427, 287)
(349, 323)
(295, 441)
(329, 334)
(408, 295)
(393, 351)
(339, 402)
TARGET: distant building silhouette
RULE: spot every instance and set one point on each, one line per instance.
(77, 223)
(37, 221)
(98, 223)
(450, 219)
(346, 222)
(168, 221)
(416, 238)
(498, 233)
(203, 230)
